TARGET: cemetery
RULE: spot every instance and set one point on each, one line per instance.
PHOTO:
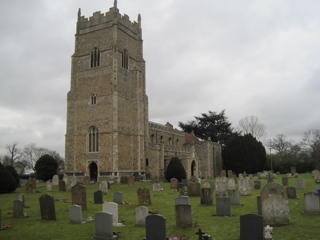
(139, 210)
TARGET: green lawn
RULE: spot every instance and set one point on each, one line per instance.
(220, 228)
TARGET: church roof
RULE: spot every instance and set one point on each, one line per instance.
(191, 138)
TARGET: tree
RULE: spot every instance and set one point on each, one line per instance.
(311, 145)
(31, 153)
(210, 127)
(7, 182)
(280, 144)
(244, 153)
(14, 152)
(14, 173)
(175, 169)
(252, 125)
(46, 167)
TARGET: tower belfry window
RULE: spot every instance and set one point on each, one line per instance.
(93, 99)
(93, 139)
(95, 58)
(125, 59)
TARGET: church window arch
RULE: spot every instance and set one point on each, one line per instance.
(95, 58)
(93, 139)
(170, 141)
(93, 99)
(125, 59)
(177, 143)
(152, 138)
(161, 139)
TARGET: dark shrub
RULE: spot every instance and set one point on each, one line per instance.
(14, 174)
(46, 167)
(7, 182)
(175, 169)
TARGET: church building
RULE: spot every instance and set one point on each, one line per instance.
(108, 132)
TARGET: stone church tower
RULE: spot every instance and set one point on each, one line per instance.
(109, 134)
(107, 110)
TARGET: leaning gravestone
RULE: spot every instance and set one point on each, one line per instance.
(117, 197)
(47, 208)
(112, 208)
(244, 187)
(251, 227)
(274, 204)
(156, 227)
(183, 215)
(103, 226)
(75, 214)
(291, 192)
(55, 180)
(62, 186)
(98, 197)
(206, 196)
(223, 206)
(141, 213)
(311, 203)
(18, 209)
(144, 196)
(79, 196)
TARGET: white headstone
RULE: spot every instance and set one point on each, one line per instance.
(112, 207)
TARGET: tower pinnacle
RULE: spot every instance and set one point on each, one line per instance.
(115, 3)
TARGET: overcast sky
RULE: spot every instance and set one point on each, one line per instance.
(248, 57)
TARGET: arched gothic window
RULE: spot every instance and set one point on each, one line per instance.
(93, 99)
(95, 58)
(93, 139)
(152, 138)
(125, 59)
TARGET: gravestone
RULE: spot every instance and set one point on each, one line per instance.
(257, 184)
(316, 188)
(104, 187)
(274, 204)
(75, 214)
(220, 187)
(112, 208)
(270, 177)
(141, 213)
(291, 192)
(234, 197)
(18, 209)
(28, 187)
(104, 227)
(223, 206)
(194, 189)
(33, 183)
(206, 185)
(156, 227)
(182, 200)
(173, 183)
(311, 203)
(289, 175)
(156, 187)
(117, 197)
(144, 197)
(184, 182)
(97, 197)
(231, 184)
(183, 215)
(180, 188)
(49, 186)
(47, 208)
(251, 227)
(284, 181)
(244, 187)
(259, 205)
(62, 186)
(79, 196)
(20, 197)
(300, 184)
(131, 180)
(55, 180)
(230, 174)
(206, 196)
(223, 173)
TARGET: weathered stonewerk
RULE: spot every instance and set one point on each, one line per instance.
(108, 129)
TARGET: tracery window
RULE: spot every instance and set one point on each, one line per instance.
(95, 58)
(93, 139)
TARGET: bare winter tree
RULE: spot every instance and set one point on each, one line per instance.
(311, 145)
(252, 125)
(14, 152)
(31, 153)
(281, 144)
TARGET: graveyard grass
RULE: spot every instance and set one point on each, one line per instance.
(220, 228)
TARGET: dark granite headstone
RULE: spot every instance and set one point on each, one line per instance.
(184, 182)
(291, 192)
(155, 227)
(98, 197)
(183, 215)
(47, 208)
(223, 206)
(251, 227)
(79, 196)
(206, 196)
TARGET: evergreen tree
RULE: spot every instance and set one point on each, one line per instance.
(175, 169)
(244, 153)
(7, 182)
(14, 173)
(46, 167)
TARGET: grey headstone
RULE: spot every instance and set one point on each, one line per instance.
(156, 187)
(20, 197)
(291, 192)
(206, 196)
(251, 227)
(62, 186)
(245, 187)
(47, 208)
(257, 184)
(98, 197)
(144, 197)
(231, 184)
(141, 213)
(185, 182)
(79, 196)
(284, 181)
(234, 197)
(183, 215)
(156, 227)
(182, 200)
(220, 187)
(223, 206)
(300, 184)
(274, 204)
(75, 214)
(311, 203)
(117, 197)
(112, 208)
(55, 180)
(104, 227)
(49, 186)
(104, 187)
(33, 183)
(315, 189)
(18, 209)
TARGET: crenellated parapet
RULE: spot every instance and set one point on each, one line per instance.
(111, 17)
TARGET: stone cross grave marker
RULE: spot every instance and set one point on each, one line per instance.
(18, 209)
(251, 227)
(141, 213)
(62, 186)
(75, 214)
(183, 215)
(144, 197)
(117, 197)
(223, 206)
(274, 204)
(200, 234)
(112, 208)
(79, 196)
(156, 227)
(98, 197)
(47, 208)
(104, 227)
(311, 203)
(55, 180)
(206, 196)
